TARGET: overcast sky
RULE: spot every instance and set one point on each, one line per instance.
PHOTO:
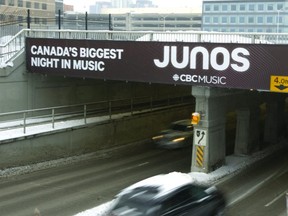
(83, 5)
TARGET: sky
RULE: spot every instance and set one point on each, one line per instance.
(83, 5)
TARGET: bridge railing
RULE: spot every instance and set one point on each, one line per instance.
(10, 48)
(82, 112)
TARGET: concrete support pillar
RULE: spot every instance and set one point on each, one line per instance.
(254, 129)
(209, 136)
(242, 132)
(275, 119)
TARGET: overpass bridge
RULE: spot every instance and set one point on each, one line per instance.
(239, 72)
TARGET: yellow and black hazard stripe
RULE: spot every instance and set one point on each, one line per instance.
(199, 156)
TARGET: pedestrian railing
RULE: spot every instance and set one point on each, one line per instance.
(13, 45)
(51, 115)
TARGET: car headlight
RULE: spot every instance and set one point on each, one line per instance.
(178, 139)
(157, 137)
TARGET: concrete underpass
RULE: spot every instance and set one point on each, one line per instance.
(233, 121)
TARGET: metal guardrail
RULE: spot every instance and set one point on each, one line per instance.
(109, 108)
(16, 44)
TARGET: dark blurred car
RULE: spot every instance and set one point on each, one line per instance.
(168, 194)
(179, 135)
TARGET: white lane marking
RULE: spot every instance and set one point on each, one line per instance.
(253, 189)
(275, 199)
(132, 167)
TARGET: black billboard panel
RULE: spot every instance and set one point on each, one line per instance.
(242, 66)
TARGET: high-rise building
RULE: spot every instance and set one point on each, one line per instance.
(245, 16)
(144, 4)
(41, 11)
(121, 3)
(98, 6)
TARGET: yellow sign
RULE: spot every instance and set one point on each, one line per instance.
(279, 84)
(200, 155)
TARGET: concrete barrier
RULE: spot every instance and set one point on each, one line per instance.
(87, 138)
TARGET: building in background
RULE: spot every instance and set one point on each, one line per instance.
(41, 11)
(144, 4)
(67, 8)
(155, 19)
(245, 16)
(98, 6)
(121, 3)
(13, 13)
(157, 22)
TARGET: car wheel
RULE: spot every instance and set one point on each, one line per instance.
(220, 211)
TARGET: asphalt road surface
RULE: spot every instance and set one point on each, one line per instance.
(261, 189)
(68, 190)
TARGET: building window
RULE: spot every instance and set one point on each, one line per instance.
(270, 7)
(224, 19)
(206, 19)
(233, 7)
(233, 20)
(224, 8)
(44, 21)
(36, 5)
(207, 8)
(261, 7)
(250, 19)
(11, 2)
(251, 7)
(37, 20)
(28, 4)
(216, 8)
(280, 6)
(242, 7)
(20, 3)
(2, 2)
(242, 19)
(269, 19)
(44, 6)
(215, 20)
(260, 20)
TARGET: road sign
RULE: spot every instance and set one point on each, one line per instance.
(279, 84)
(200, 137)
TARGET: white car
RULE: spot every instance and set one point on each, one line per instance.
(170, 194)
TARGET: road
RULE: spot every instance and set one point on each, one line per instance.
(68, 190)
(259, 190)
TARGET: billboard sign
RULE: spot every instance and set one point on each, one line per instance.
(225, 65)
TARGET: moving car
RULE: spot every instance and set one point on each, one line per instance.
(179, 135)
(168, 194)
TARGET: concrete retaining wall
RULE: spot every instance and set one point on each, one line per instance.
(88, 138)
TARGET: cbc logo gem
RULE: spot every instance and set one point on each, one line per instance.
(176, 77)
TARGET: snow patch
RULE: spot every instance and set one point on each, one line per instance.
(4, 65)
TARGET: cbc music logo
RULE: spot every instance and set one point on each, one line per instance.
(204, 79)
(176, 77)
